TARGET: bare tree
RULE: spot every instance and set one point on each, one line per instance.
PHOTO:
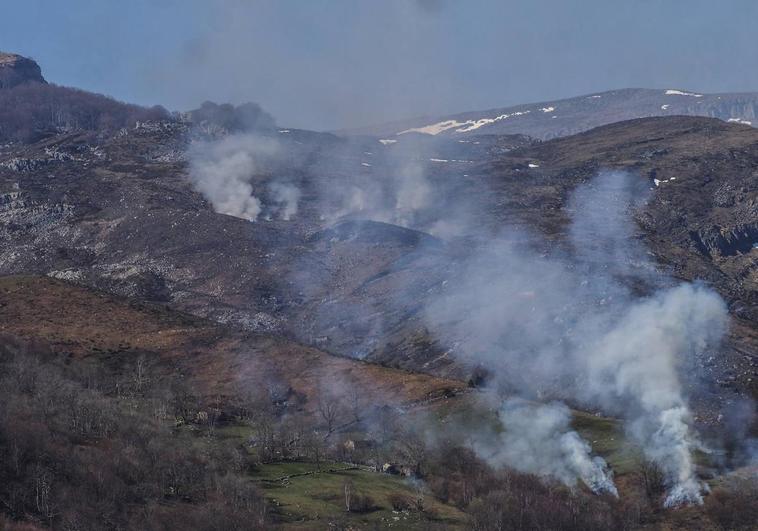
(348, 488)
(653, 480)
(413, 450)
(140, 374)
(354, 403)
(329, 410)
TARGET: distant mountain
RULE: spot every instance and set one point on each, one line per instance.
(558, 118)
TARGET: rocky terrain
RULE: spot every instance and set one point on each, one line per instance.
(120, 214)
(16, 70)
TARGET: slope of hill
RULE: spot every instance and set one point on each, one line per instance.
(120, 378)
(565, 117)
(120, 214)
(216, 362)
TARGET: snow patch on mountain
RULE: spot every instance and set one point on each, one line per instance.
(460, 127)
(659, 182)
(673, 92)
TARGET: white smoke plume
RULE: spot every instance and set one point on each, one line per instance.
(287, 196)
(595, 324)
(539, 440)
(568, 326)
(638, 361)
(223, 170)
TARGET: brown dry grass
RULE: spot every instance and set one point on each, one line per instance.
(84, 324)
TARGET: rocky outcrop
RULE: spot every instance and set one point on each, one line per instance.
(16, 70)
(716, 241)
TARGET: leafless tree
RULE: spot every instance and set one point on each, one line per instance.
(348, 488)
(329, 409)
(140, 374)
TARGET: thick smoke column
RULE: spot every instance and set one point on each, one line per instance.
(567, 325)
(222, 171)
(538, 440)
(637, 363)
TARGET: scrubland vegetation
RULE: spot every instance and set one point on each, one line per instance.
(84, 447)
(33, 110)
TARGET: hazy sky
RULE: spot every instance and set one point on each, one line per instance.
(325, 64)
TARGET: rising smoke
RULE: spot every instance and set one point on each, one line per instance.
(222, 171)
(227, 170)
(569, 326)
(388, 184)
(539, 440)
(596, 324)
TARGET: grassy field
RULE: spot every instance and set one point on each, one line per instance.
(306, 496)
(607, 439)
(302, 497)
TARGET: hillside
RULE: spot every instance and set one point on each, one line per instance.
(120, 215)
(138, 363)
(244, 325)
(219, 364)
(200, 395)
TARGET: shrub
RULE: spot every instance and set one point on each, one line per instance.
(734, 506)
(362, 503)
(401, 502)
(32, 110)
(86, 457)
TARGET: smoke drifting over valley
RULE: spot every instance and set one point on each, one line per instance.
(453, 272)
(237, 174)
(593, 323)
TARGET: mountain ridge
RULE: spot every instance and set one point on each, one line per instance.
(566, 116)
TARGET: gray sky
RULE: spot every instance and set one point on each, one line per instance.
(325, 64)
